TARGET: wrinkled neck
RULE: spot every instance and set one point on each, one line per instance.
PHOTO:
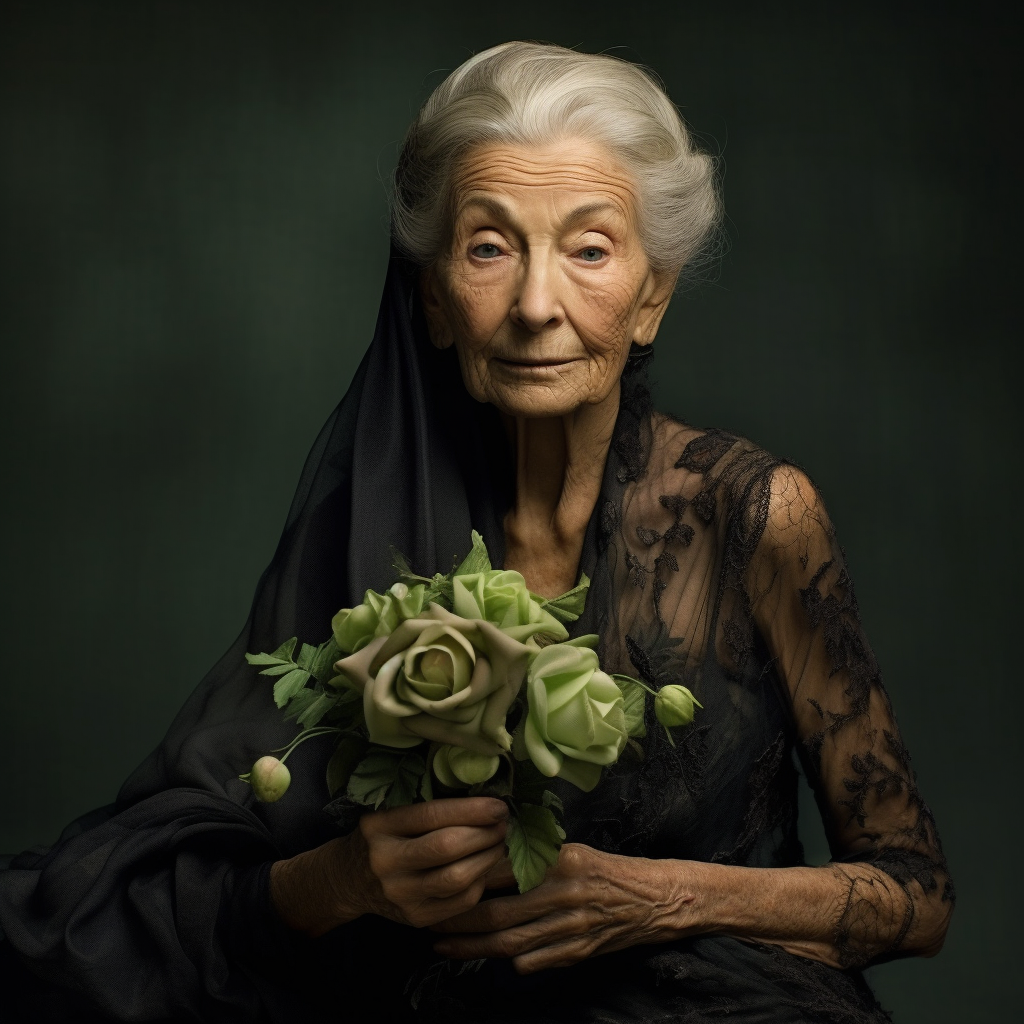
(559, 465)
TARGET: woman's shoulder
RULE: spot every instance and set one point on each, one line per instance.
(688, 459)
(728, 479)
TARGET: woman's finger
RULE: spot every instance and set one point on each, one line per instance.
(509, 911)
(501, 875)
(448, 845)
(511, 942)
(421, 818)
(559, 954)
(450, 879)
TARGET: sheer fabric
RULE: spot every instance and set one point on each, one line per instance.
(713, 564)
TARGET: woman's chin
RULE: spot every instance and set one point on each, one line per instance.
(540, 400)
(540, 406)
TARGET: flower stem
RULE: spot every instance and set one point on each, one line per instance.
(306, 734)
(630, 679)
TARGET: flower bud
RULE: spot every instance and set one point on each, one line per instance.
(270, 779)
(470, 767)
(457, 767)
(673, 705)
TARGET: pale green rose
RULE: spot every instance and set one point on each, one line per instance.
(378, 615)
(674, 705)
(458, 768)
(439, 677)
(501, 596)
(269, 779)
(575, 722)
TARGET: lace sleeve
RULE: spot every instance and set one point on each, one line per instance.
(899, 895)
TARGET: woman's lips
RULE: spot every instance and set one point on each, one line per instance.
(530, 366)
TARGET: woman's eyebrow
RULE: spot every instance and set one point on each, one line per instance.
(588, 210)
(498, 209)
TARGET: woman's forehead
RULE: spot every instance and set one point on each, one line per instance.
(572, 171)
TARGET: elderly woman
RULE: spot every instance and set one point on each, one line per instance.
(546, 203)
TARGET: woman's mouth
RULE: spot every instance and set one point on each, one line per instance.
(537, 365)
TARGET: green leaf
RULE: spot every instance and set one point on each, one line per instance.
(323, 662)
(349, 752)
(387, 778)
(568, 607)
(553, 801)
(478, 560)
(320, 705)
(441, 591)
(264, 659)
(347, 711)
(298, 704)
(279, 670)
(634, 697)
(306, 656)
(287, 686)
(285, 651)
(400, 563)
(534, 839)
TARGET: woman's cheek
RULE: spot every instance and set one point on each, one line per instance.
(479, 311)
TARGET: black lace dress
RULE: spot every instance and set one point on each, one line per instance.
(713, 564)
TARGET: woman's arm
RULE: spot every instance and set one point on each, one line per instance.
(887, 891)
(595, 902)
(897, 896)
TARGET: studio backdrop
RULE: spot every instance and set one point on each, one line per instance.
(193, 236)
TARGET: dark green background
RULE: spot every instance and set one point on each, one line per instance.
(194, 234)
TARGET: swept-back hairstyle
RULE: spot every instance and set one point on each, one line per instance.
(523, 93)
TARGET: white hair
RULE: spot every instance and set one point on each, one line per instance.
(523, 93)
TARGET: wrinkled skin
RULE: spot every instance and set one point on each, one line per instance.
(542, 290)
(591, 902)
(545, 284)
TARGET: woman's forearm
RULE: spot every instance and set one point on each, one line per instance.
(840, 914)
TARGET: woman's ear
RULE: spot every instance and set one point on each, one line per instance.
(660, 286)
(437, 323)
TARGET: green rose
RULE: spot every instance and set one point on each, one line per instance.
(502, 597)
(575, 722)
(439, 677)
(378, 615)
(458, 768)
(674, 705)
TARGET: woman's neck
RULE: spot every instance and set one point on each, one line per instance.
(559, 465)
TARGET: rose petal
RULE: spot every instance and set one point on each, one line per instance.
(385, 729)
(357, 666)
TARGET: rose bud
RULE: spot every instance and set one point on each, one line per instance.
(457, 767)
(270, 779)
(673, 705)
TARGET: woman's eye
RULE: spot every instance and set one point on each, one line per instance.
(591, 254)
(486, 251)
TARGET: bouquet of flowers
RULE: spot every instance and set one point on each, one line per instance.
(464, 683)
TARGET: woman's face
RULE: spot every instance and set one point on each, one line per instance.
(546, 283)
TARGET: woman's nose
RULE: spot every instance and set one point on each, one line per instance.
(537, 304)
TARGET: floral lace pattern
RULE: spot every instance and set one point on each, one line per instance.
(727, 577)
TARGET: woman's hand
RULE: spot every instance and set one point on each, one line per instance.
(589, 903)
(416, 865)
